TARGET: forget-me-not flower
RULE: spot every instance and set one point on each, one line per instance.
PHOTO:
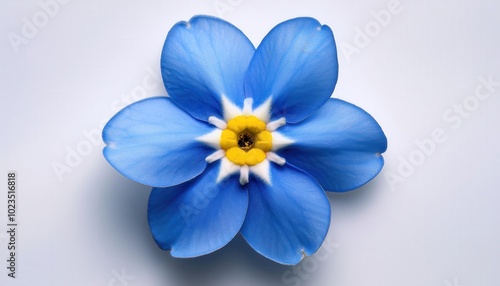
(248, 140)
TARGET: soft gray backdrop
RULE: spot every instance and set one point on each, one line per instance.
(428, 71)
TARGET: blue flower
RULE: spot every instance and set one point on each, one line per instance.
(247, 141)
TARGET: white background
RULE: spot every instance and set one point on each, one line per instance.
(430, 218)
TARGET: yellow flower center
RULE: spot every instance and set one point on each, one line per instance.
(246, 140)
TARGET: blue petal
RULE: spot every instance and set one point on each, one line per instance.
(202, 60)
(153, 142)
(339, 145)
(199, 216)
(296, 65)
(287, 218)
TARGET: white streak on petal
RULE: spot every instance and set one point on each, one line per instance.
(262, 171)
(303, 252)
(217, 122)
(229, 109)
(247, 106)
(280, 141)
(212, 139)
(244, 174)
(263, 112)
(273, 157)
(227, 168)
(273, 125)
(215, 156)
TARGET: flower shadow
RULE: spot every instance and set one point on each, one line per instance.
(234, 262)
(124, 208)
(357, 200)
